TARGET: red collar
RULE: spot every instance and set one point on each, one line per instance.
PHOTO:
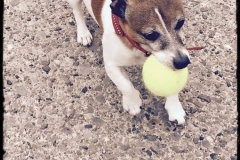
(119, 31)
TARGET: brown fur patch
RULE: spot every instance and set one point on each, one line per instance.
(97, 6)
(140, 17)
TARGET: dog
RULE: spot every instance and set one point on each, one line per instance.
(132, 30)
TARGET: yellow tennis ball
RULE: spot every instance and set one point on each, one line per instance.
(162, 80)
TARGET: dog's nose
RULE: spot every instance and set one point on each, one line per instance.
(181, 62)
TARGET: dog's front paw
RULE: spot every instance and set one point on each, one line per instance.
(175, 112)
(177, 115)
(84, 37)
(132, 103)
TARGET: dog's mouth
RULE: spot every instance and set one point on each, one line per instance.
(178, 60)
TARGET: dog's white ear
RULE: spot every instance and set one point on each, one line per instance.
(118, 8)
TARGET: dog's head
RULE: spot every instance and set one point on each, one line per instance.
(156, 26)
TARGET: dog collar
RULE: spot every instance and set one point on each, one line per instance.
(119, 31)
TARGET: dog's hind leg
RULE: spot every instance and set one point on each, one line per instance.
(84, 37)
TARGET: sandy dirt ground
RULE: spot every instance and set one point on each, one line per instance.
(61, 105)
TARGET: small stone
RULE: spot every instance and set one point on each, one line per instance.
(18, 95)
(84, 90)
(66, 130)
(154, 112)
(71, 23)
(195, 140)
(90, 110)
(228, 84)
(7, 28)
(69, 83)
(204, 97)
(28, 19)
(197, 104)
(44, 126)
(204, 15)
(149, 152)
(75, 74)
(204, 9)
(211, 34)
(75, 96)
(223, 143)
(136, 119)
(217, 149)
(176, 149)
(28, 125)
(98, 88)
(100, 98)
(58, 29)
(134, 128)
(144, 97)
(124, 147)
(76, 63)
(57, 62)
(67, 39)
(88, 126)
(9, 82)
(149, 110)
(46, 69)
(175, 136)
(216, 72)
(95, 140)
(151, 137)
(178, 157)
(201, 138)
(219, 134)
(45, 62)
(97, 121)
(92, 148)
(204, 130)
(147, 116)
(206, 144)
(14, 2)
(213, 155)
(154, 151)
(187, 135)
(85, 147)
(193, 110)
(79, 152)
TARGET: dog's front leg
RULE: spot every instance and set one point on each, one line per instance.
(131, 97)
(174, 109)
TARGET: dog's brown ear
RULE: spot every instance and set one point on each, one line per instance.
(118, 8)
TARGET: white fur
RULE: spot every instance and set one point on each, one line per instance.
(116, 55)
(162, 22)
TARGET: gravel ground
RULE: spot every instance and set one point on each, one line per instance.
(60, 104)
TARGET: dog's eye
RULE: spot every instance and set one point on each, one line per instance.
(151, 36)
(179, 24)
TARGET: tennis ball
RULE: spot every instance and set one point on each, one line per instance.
(162, 80)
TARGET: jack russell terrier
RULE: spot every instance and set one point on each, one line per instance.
(132, 30)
